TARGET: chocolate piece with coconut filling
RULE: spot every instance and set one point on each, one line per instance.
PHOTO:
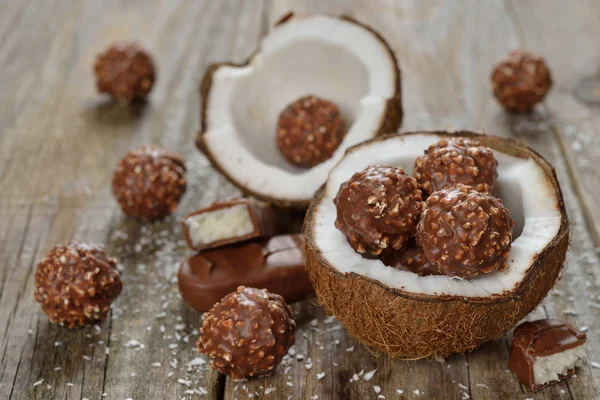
(275, 264)
(228, 222)
(545, 351)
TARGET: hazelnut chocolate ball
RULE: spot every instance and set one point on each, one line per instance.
(247, 333)
(453, 161)
(125, 71)
(465, 233)
(75, 283)
(149, 182)
(411, 259)
(378, 209)
(309, 131)
(521, 81)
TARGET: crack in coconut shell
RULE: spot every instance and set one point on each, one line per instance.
(410, 325)
(390, 120)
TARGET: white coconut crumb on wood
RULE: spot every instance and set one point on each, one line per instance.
(184, 382)
(270, 390)
(399, 391)
(570, 311)
(156, 364)
(377, 388)
(198, 361)
(369, 375)
(417, 392)
(595, 364)
(464, 387)
(38, 383)
(584, 329)
(481, 385)
(350, 349)
(320, 375)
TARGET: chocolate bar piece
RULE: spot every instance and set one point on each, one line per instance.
(228, 222)
(275, 264)
(544, 352)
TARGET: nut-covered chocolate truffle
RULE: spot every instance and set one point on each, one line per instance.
(149, 182)
(464, 232)
(75, 283)
(247, 333)
(521, 81)
(453, 161)
(309, 131)
(125, 71)
(410, 259)
(378, 209)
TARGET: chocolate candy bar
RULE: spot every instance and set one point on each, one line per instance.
(544, 352)
(228, 222)
(275, 264)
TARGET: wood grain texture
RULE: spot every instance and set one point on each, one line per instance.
(59, 141)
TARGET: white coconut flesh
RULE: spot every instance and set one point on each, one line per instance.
(551, 368)
(324, 56)
(528, 194)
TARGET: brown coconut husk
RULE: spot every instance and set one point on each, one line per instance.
(390, 120)
(411, 325)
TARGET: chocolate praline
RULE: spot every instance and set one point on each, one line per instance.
(378, 209)
(76, 283)
(247, 333)
(125, 71)
(309, 131)
(148, 182)
(521, 81)
(465, 233)
(411, 259)
(457, 160)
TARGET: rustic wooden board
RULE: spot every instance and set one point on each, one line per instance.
(59, 141)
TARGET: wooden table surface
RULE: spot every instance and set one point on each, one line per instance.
(59, 143)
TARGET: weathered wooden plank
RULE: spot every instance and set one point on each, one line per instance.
(20, 311)
(565, 46)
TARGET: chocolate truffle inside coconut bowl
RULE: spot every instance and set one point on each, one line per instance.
(411, 315)
(275, 125)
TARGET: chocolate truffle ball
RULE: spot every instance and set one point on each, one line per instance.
(75, 283)
(521, 81)
(411, 259)
(465, 233)
(149, 182)
(453, 161)
(247, 333)
(125, 71)
(309, 131)
(378, 209)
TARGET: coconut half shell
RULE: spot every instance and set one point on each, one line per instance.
(335, 58)
(410, 316)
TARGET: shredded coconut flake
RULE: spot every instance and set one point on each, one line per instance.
(369, 375)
